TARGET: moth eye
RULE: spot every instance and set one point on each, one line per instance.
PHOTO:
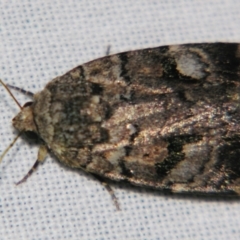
(31, 135)
(27, 104)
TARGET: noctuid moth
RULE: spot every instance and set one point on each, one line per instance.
(166, 118)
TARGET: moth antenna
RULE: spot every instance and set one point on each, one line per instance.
(7, 88)
(10, 145)
(28, 93)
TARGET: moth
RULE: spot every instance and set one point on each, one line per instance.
(167, 118)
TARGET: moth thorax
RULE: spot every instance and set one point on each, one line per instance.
(24, 120)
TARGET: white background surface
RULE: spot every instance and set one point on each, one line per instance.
(42, 39)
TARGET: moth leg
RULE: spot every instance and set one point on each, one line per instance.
(108, 50)
(42, 153)
(25, 92)
(110, 190)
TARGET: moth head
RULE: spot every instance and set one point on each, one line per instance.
(24, 121)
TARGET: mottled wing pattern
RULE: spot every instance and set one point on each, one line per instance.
(165, 117)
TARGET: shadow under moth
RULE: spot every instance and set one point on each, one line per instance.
(166, 118)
